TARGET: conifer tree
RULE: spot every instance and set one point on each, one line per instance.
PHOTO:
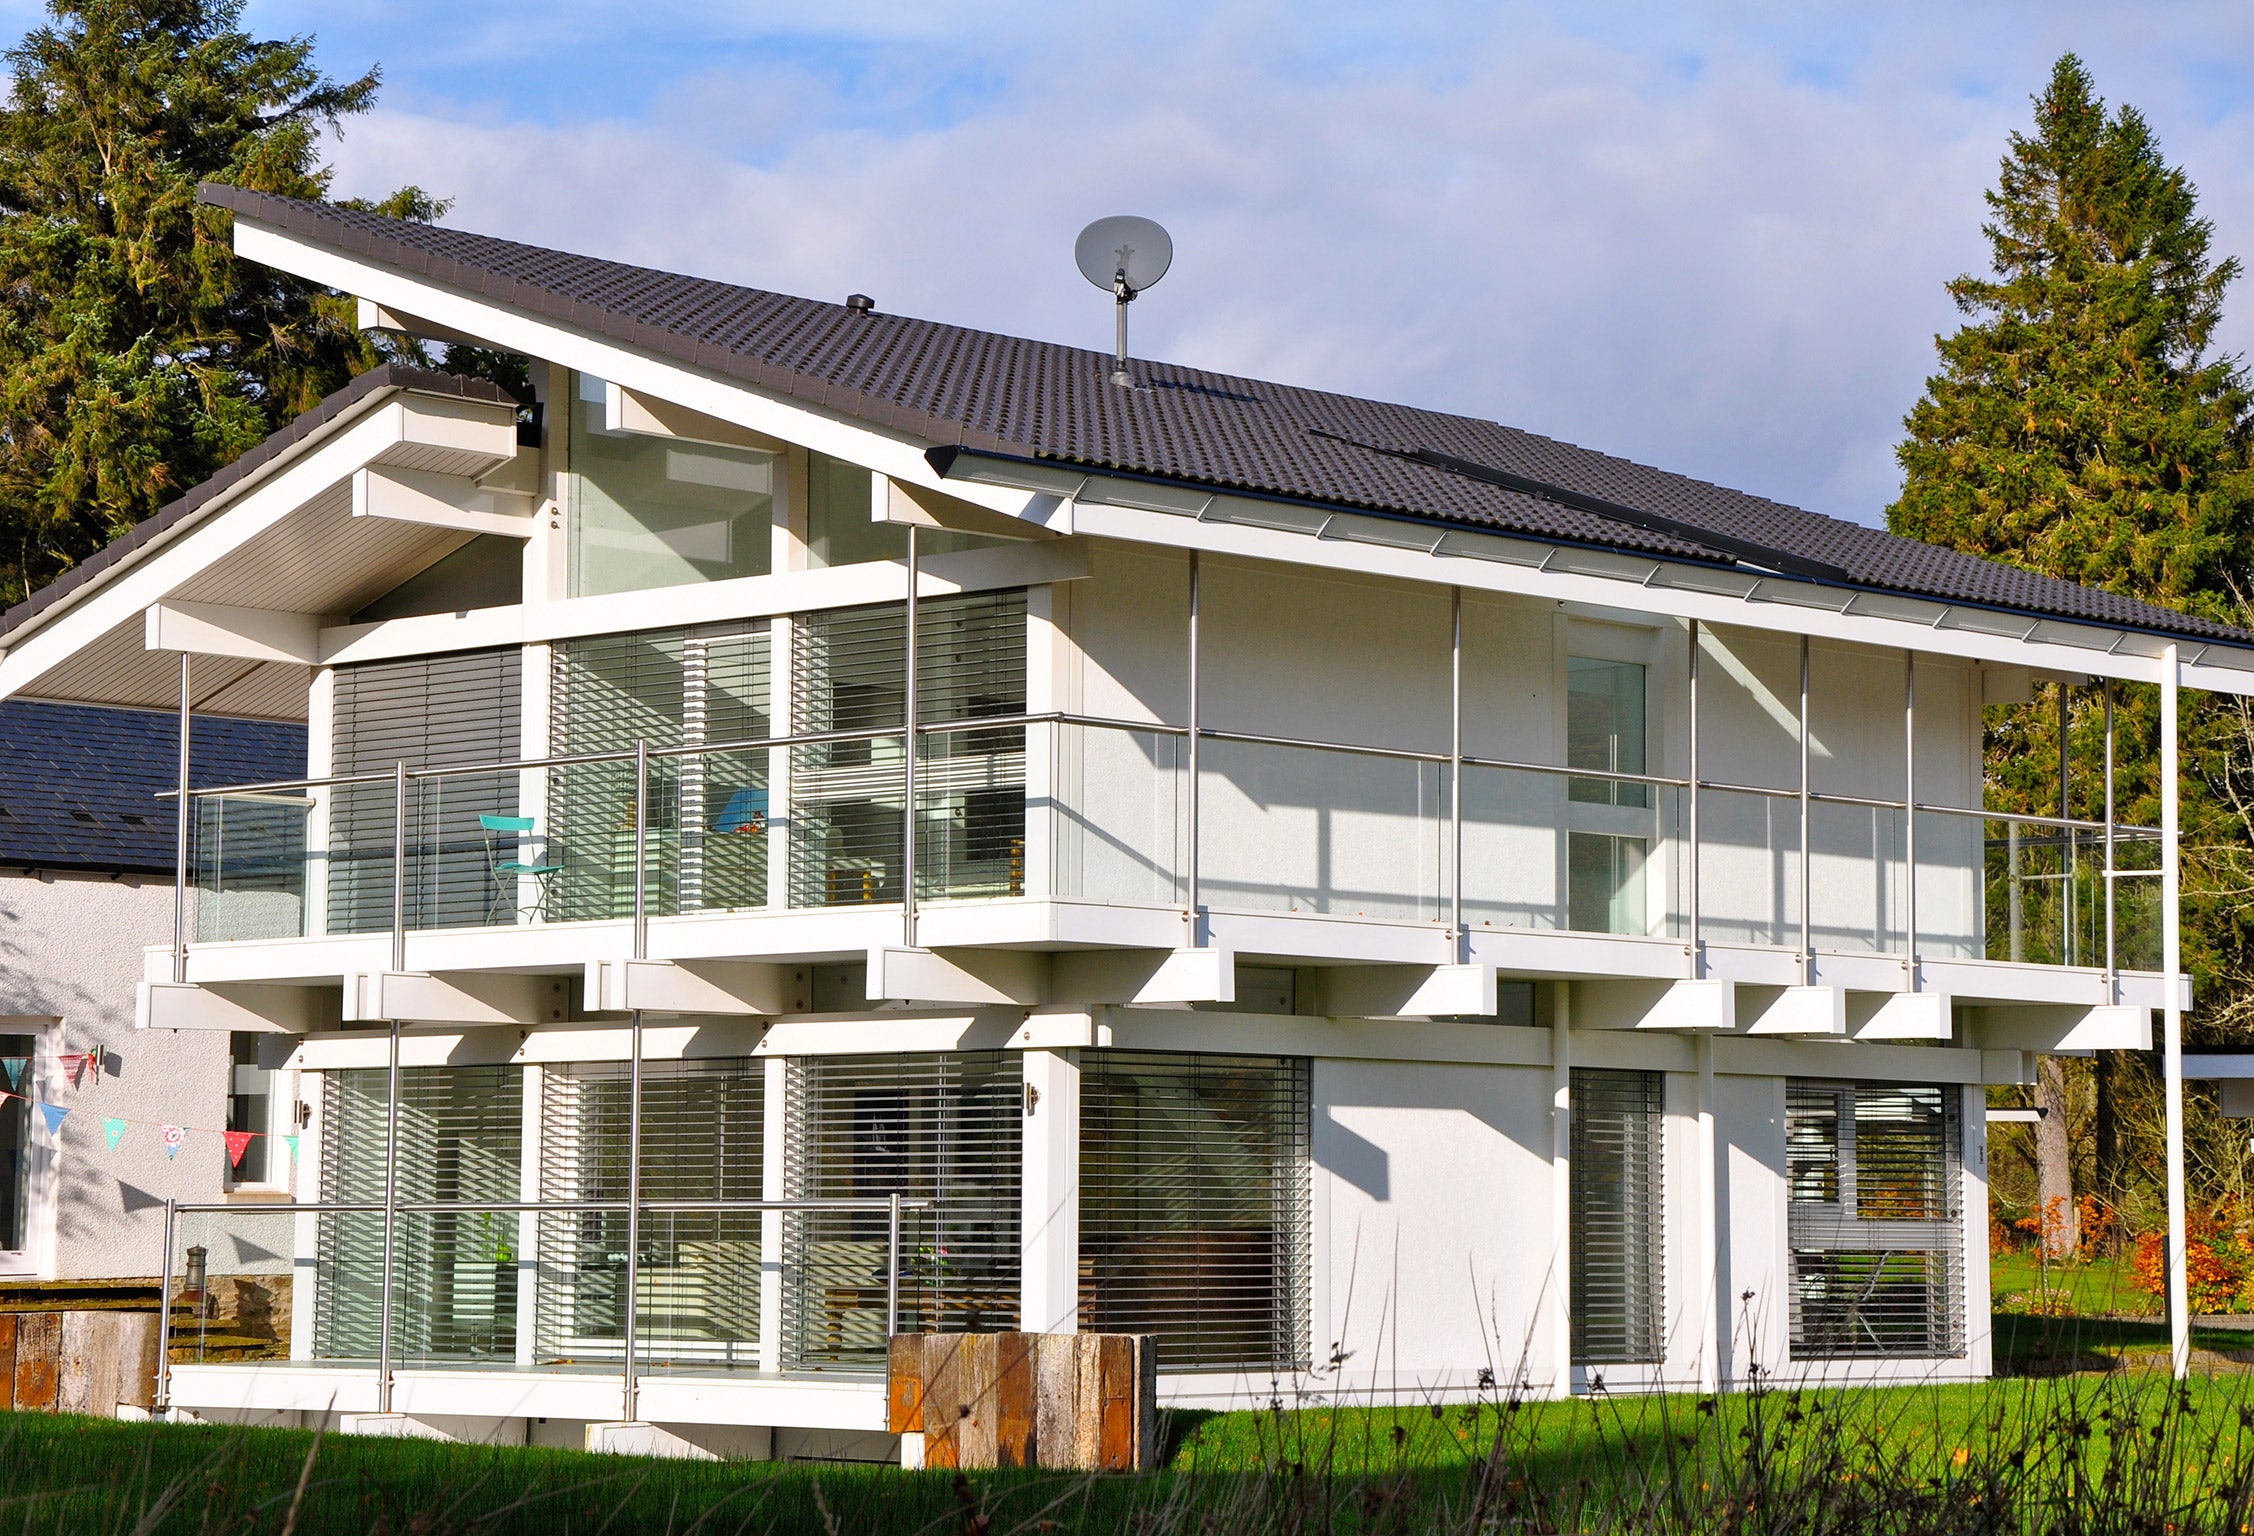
(136, 353)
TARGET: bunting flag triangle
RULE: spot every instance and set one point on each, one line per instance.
(237, 1143)
(113, 1128)
(174, 1137)
(15, 1066)
(77, 1063)
(291, 1139)
(54, 1114)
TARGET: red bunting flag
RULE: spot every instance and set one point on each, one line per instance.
(76, 1064)
(237, 1141)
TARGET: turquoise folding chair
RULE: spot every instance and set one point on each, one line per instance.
(505, 837)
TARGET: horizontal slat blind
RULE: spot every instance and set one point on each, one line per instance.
(454, 1295)
(699, 1272)
(1616, 1216)
(1875, 1219)
(670, 688)
(428, 712)
(849, 672)
(1194, 1210)
(941, 1127)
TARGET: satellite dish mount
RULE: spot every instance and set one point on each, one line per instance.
(1124, 255)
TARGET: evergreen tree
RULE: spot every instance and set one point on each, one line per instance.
(2078, 425)
(137, 354)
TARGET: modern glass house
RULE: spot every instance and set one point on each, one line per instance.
(821, 824)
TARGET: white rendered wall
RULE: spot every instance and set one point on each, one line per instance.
(72, 949)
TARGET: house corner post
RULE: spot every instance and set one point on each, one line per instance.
(1050, 1193)
(181, 828)
(1561, 1186)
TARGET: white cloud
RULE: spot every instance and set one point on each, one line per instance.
(1714, 256)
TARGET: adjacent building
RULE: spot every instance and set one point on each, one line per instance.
(1396, 907)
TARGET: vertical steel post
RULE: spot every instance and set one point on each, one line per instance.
(391, 1097)
(180, 830)
(2172, 1013)
(1807, 896)
(160, 1403)
(2112, 958)
(630, 1386)
(1191, 807)
(892, 1268)
(2069, 860)
(1690, 843)
(908, 756)
(1459, 942)
(1909, 815)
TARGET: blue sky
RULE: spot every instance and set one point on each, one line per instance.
(1711, 237)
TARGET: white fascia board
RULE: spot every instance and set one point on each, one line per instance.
(1741, 1056)
(248, 634)
(745, 597)
(534, 336)
(2219, 1065)
(121, 595)
(1850, 623)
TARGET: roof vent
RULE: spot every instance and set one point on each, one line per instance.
(860, 304)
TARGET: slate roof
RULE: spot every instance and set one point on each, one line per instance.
(78, 783)
(952, 386)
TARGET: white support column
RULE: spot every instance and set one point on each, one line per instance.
(183, 827)
(532, 1165)
(784, 710)
(1697, 967)
(2172, 1011)
(1561, 1185)
(320, 761)
(1047, 624)
(1807, 896)
(1909, 818)
(1713, 1313)
(774, 1184)
(1050, 1193)
(1459, 942)
(1190, 803)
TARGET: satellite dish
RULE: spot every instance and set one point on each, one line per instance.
(1123, 255)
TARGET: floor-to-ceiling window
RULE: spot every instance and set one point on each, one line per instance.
(1194, 1205)
(1609, 836)
(1616, 1260)
(654, 510)
(16, 1152)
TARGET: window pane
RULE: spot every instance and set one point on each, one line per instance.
(653, 511)
(15, 1147)
(1605, 884)
(1604, 728)
(1616, 1215)
(250, 1108)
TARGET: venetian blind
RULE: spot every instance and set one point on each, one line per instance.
(940, 1127)
(698, 1299)
(1874, 1219)
(454, 1293)
(429, 712)
(1194, 1210)
(1616, 1205)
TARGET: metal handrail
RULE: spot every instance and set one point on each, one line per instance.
(893, 1206)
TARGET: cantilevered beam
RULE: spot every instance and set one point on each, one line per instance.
(215, 629)
(441, 501)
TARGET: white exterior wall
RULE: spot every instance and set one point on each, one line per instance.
(73, 951)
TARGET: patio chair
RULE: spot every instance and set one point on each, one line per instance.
(505, 837)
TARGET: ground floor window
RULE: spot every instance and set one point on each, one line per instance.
(697, 1298)
(20, 1053)
(454, 1290)
(1194, 1205)
(1875, 1220)
(942, 1127)
(1617, 1246)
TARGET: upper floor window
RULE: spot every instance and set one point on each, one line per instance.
(842, 526)
(655, 511)
(1610, 837)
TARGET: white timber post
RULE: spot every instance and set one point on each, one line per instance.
(1050, 1193)
(774, 1184)
(1713, 1313)
(1561, 1185)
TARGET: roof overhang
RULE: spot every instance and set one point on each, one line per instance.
(382, 488)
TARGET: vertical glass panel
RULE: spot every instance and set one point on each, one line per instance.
(15, 1150)
(649, 510)
(1118, 815)
(1616, 1216)
(841, 528)
(943, 1128)
(454, 1290)
(1604, 727)
(250, 1108)
(1605, 886)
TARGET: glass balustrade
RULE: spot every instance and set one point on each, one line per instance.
(1281, 827)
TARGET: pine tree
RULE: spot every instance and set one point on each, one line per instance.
(2082, 426)
(137, 354)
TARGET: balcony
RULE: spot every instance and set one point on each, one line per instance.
(1101, 815)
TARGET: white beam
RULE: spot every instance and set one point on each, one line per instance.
(1131, 976)
(249, 1007)
(1898, 1015)
(634, 410)
(718, 987)
(440, 501)
(1819, 1011)
(214, 629)
(919, 506)
(1702, 1004)
(980, 977)
(2052, 1030)
(374, 317)
(458, 997)
(1401, 991)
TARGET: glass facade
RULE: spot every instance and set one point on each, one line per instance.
(655, 511)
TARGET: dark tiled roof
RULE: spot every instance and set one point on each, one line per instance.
(950, 386)
(78, 784)
(388, 376)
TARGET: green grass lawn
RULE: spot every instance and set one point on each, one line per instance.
(2098, 1287)
(2124, 1444)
